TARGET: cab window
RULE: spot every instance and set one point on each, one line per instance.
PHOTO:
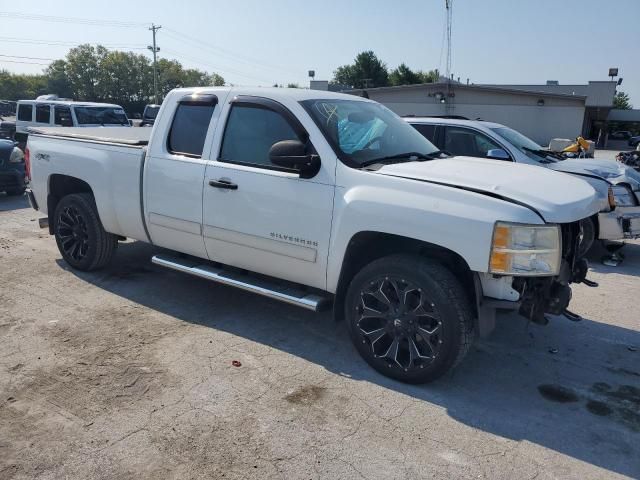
(250, 132)
(189, 127)
(466, 142)
(428, 131)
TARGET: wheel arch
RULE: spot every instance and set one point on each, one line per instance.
(59, 186)
(367, 246)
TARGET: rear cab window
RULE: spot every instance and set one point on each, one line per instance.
(190, 125)
(25, 112)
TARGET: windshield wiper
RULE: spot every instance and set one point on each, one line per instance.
(409, 156)
(544, 154)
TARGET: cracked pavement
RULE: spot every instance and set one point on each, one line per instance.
(127, 373)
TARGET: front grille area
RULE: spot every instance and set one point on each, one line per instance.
(570, 241)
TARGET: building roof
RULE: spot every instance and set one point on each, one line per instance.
(460, 86)
(598, 93)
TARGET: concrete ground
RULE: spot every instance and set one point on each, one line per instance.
(128, 373)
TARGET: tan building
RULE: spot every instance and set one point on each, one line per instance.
(539, 115)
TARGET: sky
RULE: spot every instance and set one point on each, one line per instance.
(259, 42)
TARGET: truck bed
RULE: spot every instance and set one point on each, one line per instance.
(109, 160)
(130, 136)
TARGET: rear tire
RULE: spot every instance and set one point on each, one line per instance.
(409, 318)
(81, 238)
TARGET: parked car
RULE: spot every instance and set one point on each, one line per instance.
(634, 141)
(67, 113)
(12, 168)
(149, 115)
(620, 135)
(616, 221)
(7, 108)
(7, 128)
(313, 198)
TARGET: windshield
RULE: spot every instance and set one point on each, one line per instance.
(362, 132)
(151, 112)
(524, 144)
(100, 116)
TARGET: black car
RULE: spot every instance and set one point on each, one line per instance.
(12, 168)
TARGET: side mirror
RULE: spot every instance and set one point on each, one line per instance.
(292, 154)
(498, 154)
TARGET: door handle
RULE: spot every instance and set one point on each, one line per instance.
(223, 184)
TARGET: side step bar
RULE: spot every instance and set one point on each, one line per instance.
(291, 295)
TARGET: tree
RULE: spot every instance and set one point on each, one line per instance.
(403, 75)
(622, 101)
(96, 74)
(432, 76)
(293, 85)
(367, 71)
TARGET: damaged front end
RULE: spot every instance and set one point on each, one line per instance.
(551, 295)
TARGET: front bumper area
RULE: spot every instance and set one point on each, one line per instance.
(623, 223)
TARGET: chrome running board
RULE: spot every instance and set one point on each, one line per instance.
(288, 294)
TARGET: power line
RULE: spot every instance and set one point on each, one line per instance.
(28, 58)
(80, 21)
(66, 43)
(26, 63)
(216, 69)
(223, 52)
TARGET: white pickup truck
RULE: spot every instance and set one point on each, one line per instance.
(315, 198)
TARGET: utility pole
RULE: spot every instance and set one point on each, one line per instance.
(449, 6)
(155, 49)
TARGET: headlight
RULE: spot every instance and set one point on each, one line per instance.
(16, 156)
(525, 250)
(624, 196)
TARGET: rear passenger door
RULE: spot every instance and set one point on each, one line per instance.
(174, 173)
(259, 216)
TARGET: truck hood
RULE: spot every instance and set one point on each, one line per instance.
(610, 170)
(558, 198)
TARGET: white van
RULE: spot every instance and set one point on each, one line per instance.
(67, 113)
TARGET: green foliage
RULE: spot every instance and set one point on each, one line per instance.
(367, 71)
(96, 74)
(622, 101)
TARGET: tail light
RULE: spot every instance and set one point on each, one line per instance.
(27, 163)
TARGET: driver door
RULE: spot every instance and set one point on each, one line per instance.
(256, 215)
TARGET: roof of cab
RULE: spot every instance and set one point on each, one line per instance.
(452, 121)
(296, 94)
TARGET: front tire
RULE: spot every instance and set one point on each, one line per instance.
(81, 238)
(588, 236)
(409, 318)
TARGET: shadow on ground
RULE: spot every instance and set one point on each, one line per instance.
(630, 264)
(572, 388)
(13, 203)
